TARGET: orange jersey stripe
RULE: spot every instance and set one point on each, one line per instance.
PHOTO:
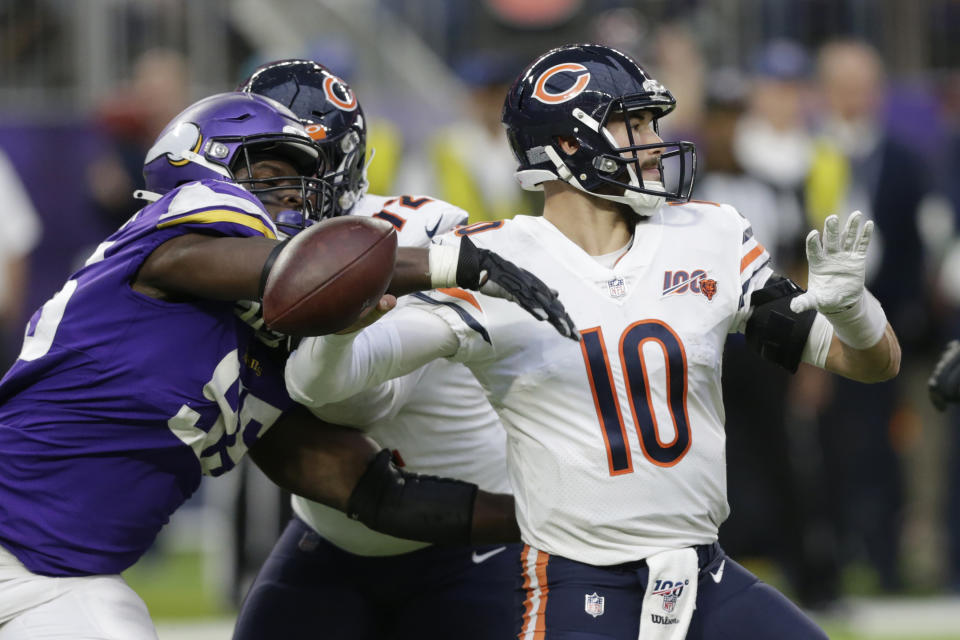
(541, 629)
(750, 257)
(528, 600)
(463, 295)
(535, 585)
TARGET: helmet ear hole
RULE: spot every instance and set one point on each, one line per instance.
(568, 144)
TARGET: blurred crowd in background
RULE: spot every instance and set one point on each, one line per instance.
(799, 108)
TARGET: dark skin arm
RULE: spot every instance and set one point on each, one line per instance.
(323, 462)
(195, 265)
(218, 268)
(314, 459)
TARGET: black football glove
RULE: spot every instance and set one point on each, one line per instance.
(485, 271)
(944, 382)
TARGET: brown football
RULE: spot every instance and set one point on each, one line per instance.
(328, 275)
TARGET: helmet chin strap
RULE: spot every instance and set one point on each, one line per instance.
(644, 204)
(149, 196)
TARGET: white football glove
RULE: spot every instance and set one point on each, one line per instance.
(837, 266)
(835, 282)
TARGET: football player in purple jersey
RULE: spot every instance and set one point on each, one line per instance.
(137, 378)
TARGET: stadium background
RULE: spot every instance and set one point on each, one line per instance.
(86, 84)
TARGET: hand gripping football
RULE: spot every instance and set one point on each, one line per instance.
(327, 275)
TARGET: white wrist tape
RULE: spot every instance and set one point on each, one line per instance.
(443, 260)
(862, 325)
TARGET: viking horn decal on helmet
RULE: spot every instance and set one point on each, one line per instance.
(541, 93)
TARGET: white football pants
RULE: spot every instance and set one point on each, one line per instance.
(87, 608)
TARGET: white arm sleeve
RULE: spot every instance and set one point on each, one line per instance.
(818, 342)
(372, 406)
(329, 369)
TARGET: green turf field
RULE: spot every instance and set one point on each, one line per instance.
(173, 587)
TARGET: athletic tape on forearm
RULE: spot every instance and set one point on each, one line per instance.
(862, 325)
(443, 261)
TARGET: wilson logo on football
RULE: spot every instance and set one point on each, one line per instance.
(541, 93)
(338, 94)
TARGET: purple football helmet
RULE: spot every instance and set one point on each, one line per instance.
(213, 138)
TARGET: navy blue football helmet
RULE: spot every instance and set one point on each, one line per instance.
(330, 113)
(574, 92)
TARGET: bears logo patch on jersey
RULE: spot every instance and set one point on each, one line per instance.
(708, 287)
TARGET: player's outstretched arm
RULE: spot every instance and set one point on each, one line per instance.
(470, 267)
(864, 346)
(944, 382)
(342, 468)
(330, 369)
(218, 268)
(208, 267)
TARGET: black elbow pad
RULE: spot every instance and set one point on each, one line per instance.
(411, 505)
(773, 330)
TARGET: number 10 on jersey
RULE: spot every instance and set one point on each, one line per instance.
(632, 340)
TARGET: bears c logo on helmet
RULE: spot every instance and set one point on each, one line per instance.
(541, 93)
(338, 94)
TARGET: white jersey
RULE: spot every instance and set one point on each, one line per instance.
(615, 444)
(437, 419)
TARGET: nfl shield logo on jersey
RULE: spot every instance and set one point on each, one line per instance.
(617, 288)
(593, 604)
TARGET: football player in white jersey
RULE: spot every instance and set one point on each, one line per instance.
(328, 572)
(616, 442)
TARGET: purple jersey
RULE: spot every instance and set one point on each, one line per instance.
(119, 401)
